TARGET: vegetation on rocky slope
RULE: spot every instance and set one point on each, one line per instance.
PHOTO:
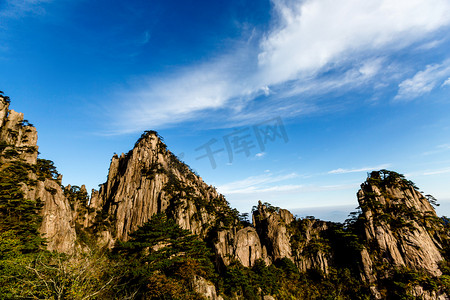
(298, 258)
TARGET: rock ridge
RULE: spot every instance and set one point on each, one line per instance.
(396, 227)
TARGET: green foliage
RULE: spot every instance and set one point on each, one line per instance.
(240, 281)
(283, 280)
(432, 200)
(10, 153)
(244, 219)
(46, 275)
(18, 214)
(76, 195)
(152, 170)
(269, 207)
(46, 169)
(5, 98)
(401, 282)
(12, 265)
(161, 254)
(146, 134)
(385, 178)
(26, 123)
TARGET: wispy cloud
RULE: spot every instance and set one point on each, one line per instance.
(255, 189)
(313, 46)
(269, 182)
(365, 169)
(430, 45)
(435, 172)
(185, 95)
(311, 34)
(438, 149)
(424, 81)
(260, 155)
(18, 8)
(447, 82)
(258, 183)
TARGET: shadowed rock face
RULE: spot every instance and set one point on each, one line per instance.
(247, 248)
(242, 245)
(270, 239)
(271, 225)
(57, 225)
(307, 255)
(19, 137)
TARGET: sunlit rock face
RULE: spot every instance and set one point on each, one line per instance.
(271, 226)
(399, 221)
(396, 227)
(19, 145)
(401, 229)
(149, 180)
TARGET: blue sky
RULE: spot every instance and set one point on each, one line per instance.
(341, 87)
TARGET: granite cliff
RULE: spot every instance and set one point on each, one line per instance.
(395, 230)
(18, 146)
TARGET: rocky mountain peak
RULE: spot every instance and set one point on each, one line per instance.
(17, 136)
(398, 219)
(149, 180)
(271, 224)
(18, 152)
(396, 231)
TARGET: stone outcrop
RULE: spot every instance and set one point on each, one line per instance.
(397, 228)
(309, 250)
(57, 221)
(205, 288)
(272, 237)
(395, 215)
(243, 245)
(271, 225)
(419, 293)
(150, 180)
(268, 239)
(18, 141)
(401, 227)
(16, 135)
(247, 248)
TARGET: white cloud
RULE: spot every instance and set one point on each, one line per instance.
(436, 172)
(424, 81)
(365, 169)
(314, 33)
(357, 75)
(268, 183)
(17, 8)
(439, 149)
(254, 189)
(260, 155)
(178, 98)
(258, 183)
(447, 82)
(430, 45)
(313, 47)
